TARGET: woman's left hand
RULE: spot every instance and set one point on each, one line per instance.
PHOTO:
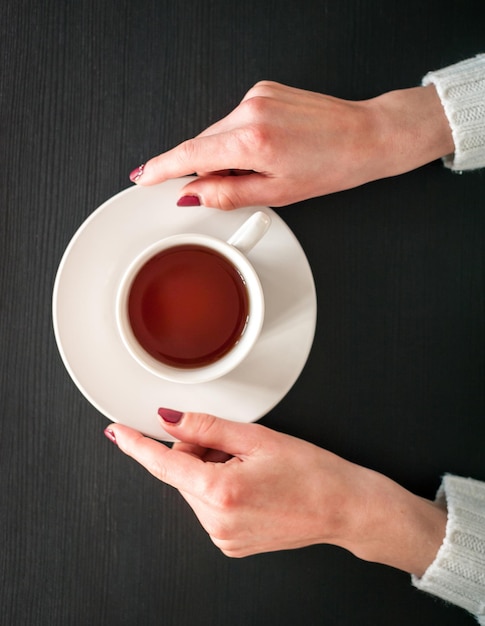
(256, 490)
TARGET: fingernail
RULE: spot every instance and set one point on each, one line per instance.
(137, 173)
(188, 201)
(170, 416)
(110, 435)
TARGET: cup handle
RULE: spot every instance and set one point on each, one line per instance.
(248, 235)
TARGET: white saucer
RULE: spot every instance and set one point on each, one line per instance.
(84, 312)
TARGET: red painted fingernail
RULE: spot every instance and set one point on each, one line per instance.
(137, 173)
(110, 435)
(170, 416)
(188, 201)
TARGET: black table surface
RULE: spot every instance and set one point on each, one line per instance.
(395, 378)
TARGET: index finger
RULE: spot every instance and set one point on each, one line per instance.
(173, 467)
(207, 153)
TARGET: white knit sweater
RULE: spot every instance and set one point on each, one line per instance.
(461, 88)
(458, 572)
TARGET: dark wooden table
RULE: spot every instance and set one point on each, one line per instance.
(395, 379)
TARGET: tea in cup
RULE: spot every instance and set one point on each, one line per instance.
(190, 307)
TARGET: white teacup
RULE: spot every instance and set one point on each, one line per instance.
(190, 307)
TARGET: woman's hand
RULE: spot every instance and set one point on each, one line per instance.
(285, 145)
(256, 490)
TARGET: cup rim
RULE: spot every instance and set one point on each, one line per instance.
(236, 355)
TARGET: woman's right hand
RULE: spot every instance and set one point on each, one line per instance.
(281, 145)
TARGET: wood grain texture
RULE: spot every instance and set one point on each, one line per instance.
(395, 380)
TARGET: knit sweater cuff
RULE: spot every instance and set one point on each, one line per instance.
(461, 88)
(458, 572)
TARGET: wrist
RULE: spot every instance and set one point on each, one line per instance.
(397, 528)
(411, 129)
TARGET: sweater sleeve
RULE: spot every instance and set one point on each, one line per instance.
(457, 574)
(461, 88)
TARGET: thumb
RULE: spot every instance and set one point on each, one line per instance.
(231, 192)
(234, 438)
